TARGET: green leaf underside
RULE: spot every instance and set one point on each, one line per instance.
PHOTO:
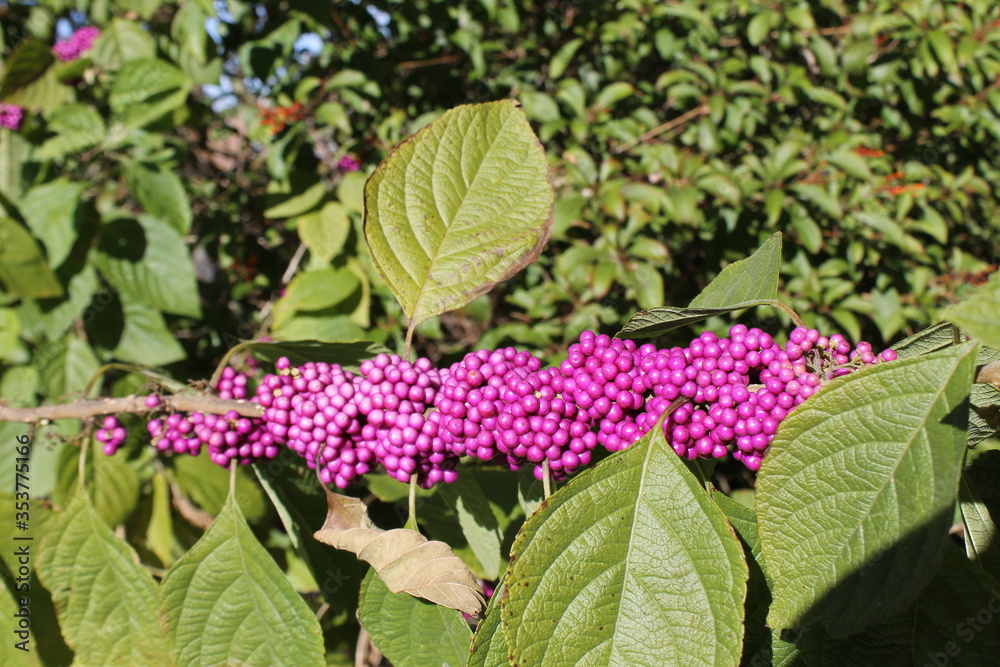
(348, 354)
(852, 534)
(489, 645)
(105, 599)
(412, 632)
(744, 284)
(656, 577)
(752, 279)
(226, 602)
(979, 315)
(462, 205)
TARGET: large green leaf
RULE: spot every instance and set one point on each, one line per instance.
(412, 632)
(749, 282)
(105, 599)
(50, 212)
(23, 269)
(979, 315)
(460, 206)
(14, 153)
(752, 279)
(146, 259)
(656, 577)
(161, 194)
(227, 602)
(935, 337)
(856, 495)
(950, 623)
(489, 646)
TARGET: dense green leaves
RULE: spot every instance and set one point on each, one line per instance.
(106, 601)
(656, 577)
(979, 315)
(226, 601)
(856, 496)
(412, 632)
(471, 206)
(49, 211)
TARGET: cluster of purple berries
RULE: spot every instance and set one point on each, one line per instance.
(111, 434)
(725, 396)
(227, 437)
(11, 116)
(76, 44)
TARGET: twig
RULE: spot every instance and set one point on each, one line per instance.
(442, 60)
(132, 404)
(666, 127)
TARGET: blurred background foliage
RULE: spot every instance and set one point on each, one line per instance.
(195, 179)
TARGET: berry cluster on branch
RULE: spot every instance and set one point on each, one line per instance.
(722, 396)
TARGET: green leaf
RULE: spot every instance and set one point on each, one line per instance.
(656, 321)
(145, 338)
(160, 531)
(348, 354)
(78, 127)
(459, 207)
(121, 41)
(657, 577)
(479, 524)
(315, 290)
(112, 482)
(984, 413)
(851, 164)
(23, 269)
(325, 231)
(16, 608)
(146, 89)
(752, 279)
(489, 646)
(944, 624)
(820, 196)
(980, 503)
(50, 212)
(227, 602)
(809, 233)
(412, 632)
(207, 484)
(28, 63)
(106, 601)
(161, 193)
(44, 93)
(560, 61)
(979, 315)
(299, 203)
(856, 494)
(145, 259)
(14, 153)
(935, 337)
(944, 49)
(67, 367)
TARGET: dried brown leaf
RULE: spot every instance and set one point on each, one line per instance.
(404, 559)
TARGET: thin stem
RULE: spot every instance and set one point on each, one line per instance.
(546, 478)
(788, 311)
(232, 477)
(409, 341)
(411, 522)
(81, 463)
